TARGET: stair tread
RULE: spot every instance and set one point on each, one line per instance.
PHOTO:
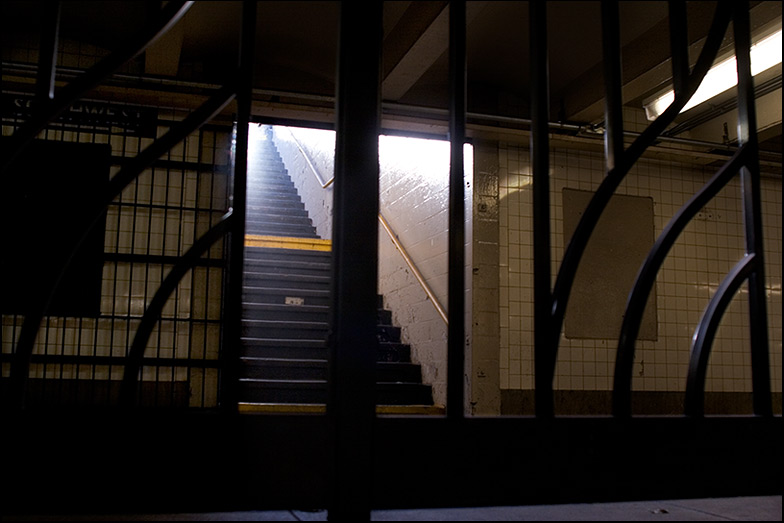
(286, 369)
(286, 323)
(283, 290)
(282, 341)
(292, 382)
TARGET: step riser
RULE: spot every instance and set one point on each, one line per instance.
(278, 296)
(402, 374)
(288, 255)
(285, 315)
(398, 394)
(283, 224)
(272, 191)
(281, 281)
(292, 333)
(267, 165)
(260, 180)
(282, 267)
(280, 220)
(274, 199)
(299, 330)
(316, 349)
(275, 207)
(304, 353)
(263, 311)
(272, 231)
(263, 213)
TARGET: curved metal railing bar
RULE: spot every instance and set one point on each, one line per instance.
(133, 361)
(414, 270)
(171, 13)
(392, 236)
(646, 277)
(752, 215)
(32, 321)
(706, 332)
(601, 198)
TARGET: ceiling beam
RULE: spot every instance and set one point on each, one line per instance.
(412, 46)
(419, 38)
(645, 64)
(162, 58)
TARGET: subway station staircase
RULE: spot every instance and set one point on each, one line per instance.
(286, 307)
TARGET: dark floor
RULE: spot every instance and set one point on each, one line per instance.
(765, 508)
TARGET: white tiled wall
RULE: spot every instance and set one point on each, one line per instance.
(168, 209)
(704, 253)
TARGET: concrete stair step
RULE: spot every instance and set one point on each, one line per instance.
(287, 281)
(288, 255)
(314, 349)
(285, 266)
(315, 391)
(282, 296)
(300, 329)
(316, 369)
(298, 230)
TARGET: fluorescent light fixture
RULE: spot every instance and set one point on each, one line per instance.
(764, 54)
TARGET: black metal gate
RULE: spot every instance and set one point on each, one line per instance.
(172, 211)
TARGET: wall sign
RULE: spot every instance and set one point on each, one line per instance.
(132, 120)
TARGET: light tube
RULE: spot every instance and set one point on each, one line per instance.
(764, 54)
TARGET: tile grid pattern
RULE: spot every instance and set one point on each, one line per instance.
(159, 214)
(704, 253)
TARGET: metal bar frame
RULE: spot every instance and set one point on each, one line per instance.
(694, 404)
(169, 15)
(745, 161)
(613, 79)
(622, 164)
(32, 321)
(352, 339)
(456, 343)
(232, 314)
(752, 214)
(646, 278)
(134, 359)
(544, 359)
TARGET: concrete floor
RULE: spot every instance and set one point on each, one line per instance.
(765, 508)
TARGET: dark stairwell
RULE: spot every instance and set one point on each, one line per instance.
(286, 307)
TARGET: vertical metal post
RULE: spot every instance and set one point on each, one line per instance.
(455, 406)
(353, 343)
(233, 311)
(47, 59)
(544, 349)
(613, 140)
(679, 45)
(752, 215)
(613, 99)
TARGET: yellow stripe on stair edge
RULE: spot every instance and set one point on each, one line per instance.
(285, 242)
